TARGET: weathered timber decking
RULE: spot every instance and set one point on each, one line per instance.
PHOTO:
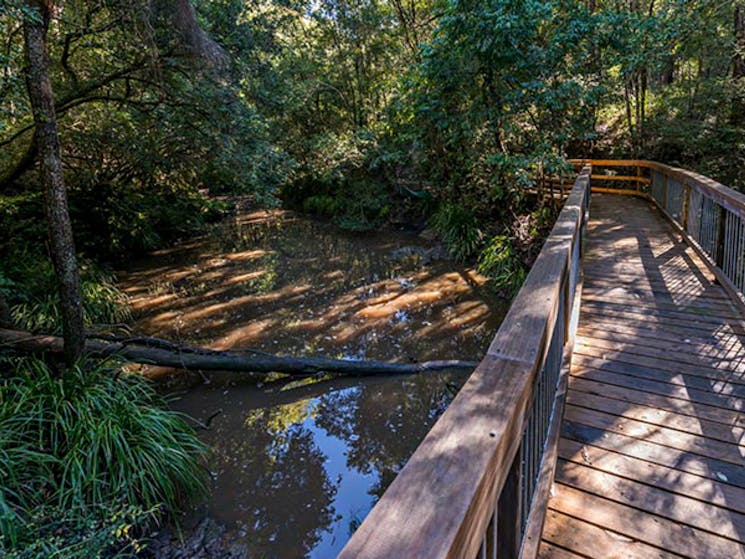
(650, 459)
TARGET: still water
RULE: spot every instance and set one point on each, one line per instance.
(296, 466)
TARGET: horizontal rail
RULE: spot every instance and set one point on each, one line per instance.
(616, 171)
(710, 216)
(469, 488)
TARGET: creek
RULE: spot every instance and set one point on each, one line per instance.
(296, 466)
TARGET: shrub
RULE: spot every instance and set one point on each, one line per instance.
(75, 533)
(29, 287)
(501, 263)
(458, 228)
(94, 442)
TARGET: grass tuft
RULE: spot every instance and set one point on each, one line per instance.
(89, 439)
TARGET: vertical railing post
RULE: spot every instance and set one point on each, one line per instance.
(686, 204)
(567, 312)
(719, 242)
(663, 202)
(639, 176)
(509, 515)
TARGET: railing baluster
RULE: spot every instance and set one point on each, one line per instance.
(729, 242)
(720, 238)
(739, 279)
(509, 515)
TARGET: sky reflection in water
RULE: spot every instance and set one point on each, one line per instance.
(296, 471)
(296, 479)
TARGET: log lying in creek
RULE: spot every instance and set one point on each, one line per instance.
(149, 351)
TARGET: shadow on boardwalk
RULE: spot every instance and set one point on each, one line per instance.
(651, 454)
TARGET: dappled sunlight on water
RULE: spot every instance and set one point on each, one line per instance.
(297, 466)
(304, 287)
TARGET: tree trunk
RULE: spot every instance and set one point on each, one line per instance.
(738, 67)
(61, 244)
(159, 352)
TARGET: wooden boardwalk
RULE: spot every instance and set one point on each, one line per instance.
(650, 459)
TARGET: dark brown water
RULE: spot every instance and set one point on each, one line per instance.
(296, 467)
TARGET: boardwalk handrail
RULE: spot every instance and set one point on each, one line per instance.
(469, 488)
(711, 216)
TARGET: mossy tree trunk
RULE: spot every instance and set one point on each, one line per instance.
(62, 247)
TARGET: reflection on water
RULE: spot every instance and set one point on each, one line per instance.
(296, 479)
(299, 287)
(296, 470)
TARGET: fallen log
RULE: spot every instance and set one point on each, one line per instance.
(196, 359)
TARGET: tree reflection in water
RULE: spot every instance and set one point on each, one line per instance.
(297, 471)
(382, 424)
(294, 480)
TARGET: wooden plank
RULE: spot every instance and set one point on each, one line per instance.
(613, 333)
(690, 352)
(613, 163)
(667, 359)
(668, 277)
(663, 332)
(692, 444)
(683, 283)
(678, 508)
(646, 312)
(686, 387)
(674, 458)
(641, 526)
(663, 418)
(654, 295)
(637, 524)
(642, 288)
(682, 301)
(624, 355)
(590, 307)
(670, 479)
(593, 542)
(620, 191)
(678, 404)
(625, 257)
(550, 551)
(625, 178)
(715, 315)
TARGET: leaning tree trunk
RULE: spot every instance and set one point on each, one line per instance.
(61, 243)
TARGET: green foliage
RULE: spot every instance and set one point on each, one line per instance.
(458, 228)
(79, 533)
(343, 183)
(501, 263)
(496, 99)
(92, 442)
(29, 287)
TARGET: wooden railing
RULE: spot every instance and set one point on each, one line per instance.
(710, 215)
(477, 485)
